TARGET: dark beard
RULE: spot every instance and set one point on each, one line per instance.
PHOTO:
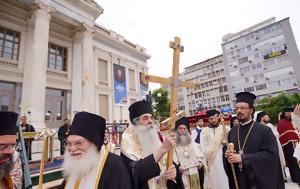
(5, 168)
(184, 139)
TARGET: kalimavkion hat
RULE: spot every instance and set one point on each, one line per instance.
(260, 115)
(212, 112)
(139, 108)
(90, 126)
(8, 123)
(246, 97)
(183, 121)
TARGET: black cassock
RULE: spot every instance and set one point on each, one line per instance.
(114, 174)
(145, 169)
(261, 167)
(62, 137)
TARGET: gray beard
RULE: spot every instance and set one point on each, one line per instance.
(184, 139)
(5, 168)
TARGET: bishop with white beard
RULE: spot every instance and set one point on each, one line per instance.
(87, 163)
(144, 153)
(188, 156)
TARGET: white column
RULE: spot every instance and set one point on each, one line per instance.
(77, 73)
(88, 71)
(34, 81)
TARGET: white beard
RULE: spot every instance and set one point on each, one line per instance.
(183, 139)
(148, 138)
(79, 167)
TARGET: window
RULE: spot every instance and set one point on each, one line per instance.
(4, 103)
(225, 88)
(260, 87)
(102, 73)
(227, 97)
(57, 57)
(9, 44)
(243, 60)
(131, 80)
(249, 89)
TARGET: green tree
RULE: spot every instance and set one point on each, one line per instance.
(274, 105)
(161, 104)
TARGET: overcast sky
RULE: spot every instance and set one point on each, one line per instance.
(200, 24)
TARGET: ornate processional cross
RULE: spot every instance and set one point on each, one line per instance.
(174, 82)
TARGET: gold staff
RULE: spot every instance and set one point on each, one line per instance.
(230, 148)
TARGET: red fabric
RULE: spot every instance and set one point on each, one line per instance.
(160, 137)
(286, 131)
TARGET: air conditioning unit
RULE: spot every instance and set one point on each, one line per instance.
(256, 49)
(235, 66)
(295, 84)
(291, 72)
(242, 74)
(267, 78)
(255, 81)
(250, 61)
(257, 37)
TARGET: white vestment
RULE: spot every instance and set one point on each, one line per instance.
(281, 155)
(210, 144)
(296, 125)
(192, 167)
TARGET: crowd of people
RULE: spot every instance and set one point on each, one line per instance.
(248, 153)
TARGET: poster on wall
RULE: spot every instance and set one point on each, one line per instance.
(143, 87)
(120, 85)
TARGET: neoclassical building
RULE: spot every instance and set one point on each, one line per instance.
(55, 60)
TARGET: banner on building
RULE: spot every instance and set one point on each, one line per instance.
(144, 88)
(120, 85)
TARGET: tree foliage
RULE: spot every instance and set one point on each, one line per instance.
(274, 105)
(161, 104)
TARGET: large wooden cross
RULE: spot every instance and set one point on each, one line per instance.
(174, 82)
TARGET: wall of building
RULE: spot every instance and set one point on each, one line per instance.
(68, 29)
(262, 59)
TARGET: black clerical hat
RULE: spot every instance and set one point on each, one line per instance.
(139, 108)
(182, 121)
(260, 115)
(90, 126)
(288, 109)
(246, 97)
(212, 112)
(8, 123)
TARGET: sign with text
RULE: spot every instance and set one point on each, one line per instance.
(275, 54)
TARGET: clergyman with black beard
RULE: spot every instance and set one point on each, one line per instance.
(188, 156)
(8, 155)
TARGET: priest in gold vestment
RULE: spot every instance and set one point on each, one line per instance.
(188, 155)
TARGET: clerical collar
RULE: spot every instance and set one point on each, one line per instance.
(242, 124)
(213, 126)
